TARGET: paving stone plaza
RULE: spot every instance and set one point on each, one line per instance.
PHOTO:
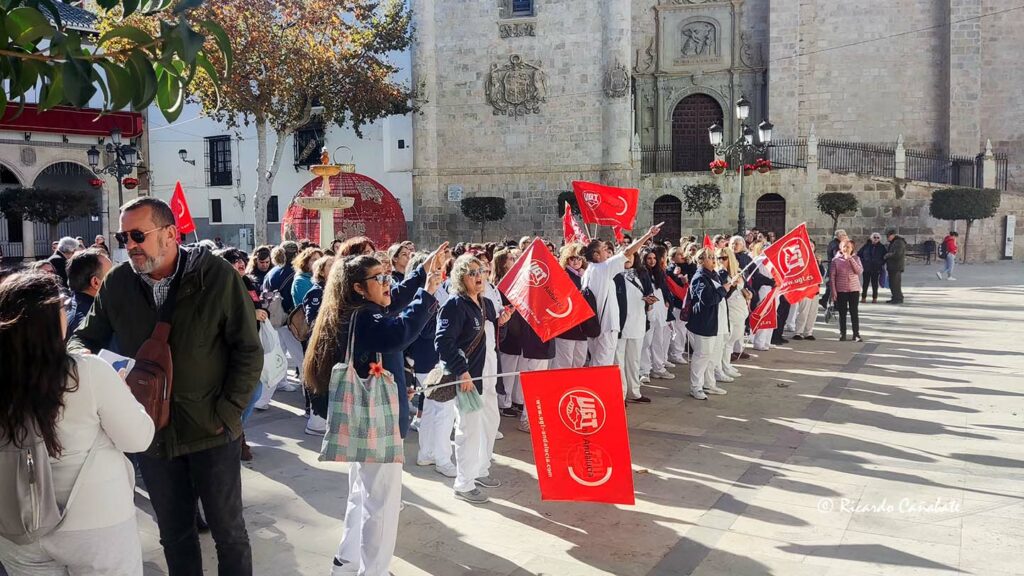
(901, 455)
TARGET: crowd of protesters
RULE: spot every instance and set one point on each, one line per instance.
(395, 309)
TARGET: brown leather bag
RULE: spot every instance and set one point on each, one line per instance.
(152, 377)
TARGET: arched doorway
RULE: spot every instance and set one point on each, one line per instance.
(771, 214)
(691, 146)
(74, 177)
(10, 224)
(669, 209)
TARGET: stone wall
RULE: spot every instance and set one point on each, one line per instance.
(884, 203)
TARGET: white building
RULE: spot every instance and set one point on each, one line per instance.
(221, 184)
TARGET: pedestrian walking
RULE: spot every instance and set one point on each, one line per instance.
(872, 258)
(75, 414)
(895, 263)
(844, 284)
(217, 359)
(947, 251)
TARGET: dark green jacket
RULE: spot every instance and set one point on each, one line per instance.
(215, 346)
(896, 255)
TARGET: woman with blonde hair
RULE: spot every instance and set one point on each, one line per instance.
(571, 346)
(303, 266)
(736, 313)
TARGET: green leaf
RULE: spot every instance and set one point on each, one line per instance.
(191, 41)
(24, 75)
(27, 25)
(223, 43)
(169, 95)
(78, 82)
(203, 62)
(144, 79)
(119, 80)
(137, 35)
(130, 7)
(3, 103)
(53, 92)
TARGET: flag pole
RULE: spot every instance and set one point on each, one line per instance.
(196, 235)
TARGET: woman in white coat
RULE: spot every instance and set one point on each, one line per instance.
(737, 306)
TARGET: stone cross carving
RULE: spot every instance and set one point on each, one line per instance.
(517, 88)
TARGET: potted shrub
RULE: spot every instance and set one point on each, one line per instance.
(763, 165)
(719, 166)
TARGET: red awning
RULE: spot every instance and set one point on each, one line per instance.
(66, 120)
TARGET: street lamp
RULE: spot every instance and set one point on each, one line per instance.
(743, 147)
(126, 159)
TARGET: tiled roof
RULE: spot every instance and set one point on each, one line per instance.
(76, 18)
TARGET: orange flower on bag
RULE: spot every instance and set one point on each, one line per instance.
(376, 369)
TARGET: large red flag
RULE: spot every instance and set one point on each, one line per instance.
(708, 243)
(571, 229)
(793, 259)
(766, 315)
(607, 205)
(543, 293)
(580, 440)
(182, 215)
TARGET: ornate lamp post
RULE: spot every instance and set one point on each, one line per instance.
(126, 159)
(322, 201)
(742, 148)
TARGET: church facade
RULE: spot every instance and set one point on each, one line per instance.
(520, 97)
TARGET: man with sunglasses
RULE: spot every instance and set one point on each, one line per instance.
(217, 358)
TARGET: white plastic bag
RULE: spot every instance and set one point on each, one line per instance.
(275, 365)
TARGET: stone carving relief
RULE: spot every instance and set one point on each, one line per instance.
(750, 54)
(517, 88)
(616, 81)
(516, 29)
(646, 59)
(699, 41)
(28, 156)
(693, 1)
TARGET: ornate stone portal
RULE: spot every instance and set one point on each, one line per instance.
(517, 88)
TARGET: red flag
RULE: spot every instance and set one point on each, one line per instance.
(543, 293)
(182, 215)
(607, 205)
(766, 315)
(708, 243)
(571, 229)
(580, 440)
(793, 259)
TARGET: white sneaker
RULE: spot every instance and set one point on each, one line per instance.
(678, 360)
(316, 426)
(951, 278)
(716, 391)
(523, 426)
(415, 424)
(669, 365)
(723, 378)
(346, 569)
(938, 275)
(498, 435)
(698, 394)
(448, 471)
(645, 379)
(286, 386)
(663, 375)
(734, 373)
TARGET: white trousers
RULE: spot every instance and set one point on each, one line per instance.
(513, 391)
(728, 344)
(470, 442)
(569, 354)
(602, 348)
(435, 433)
(654, 350)
(371, 516)
(763, 338)
(677, 347)
(531, 365)
(112, 551)
(807, 314)
(702, 364)
(628, 355)
(292, 347)
(490, 414)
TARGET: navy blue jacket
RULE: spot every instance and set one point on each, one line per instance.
(872, 256)
(83, 303)
(704, 301)
(404, 291)
(280, 278)
(311, 304)
(458, 323)
(422, 351)
(378, 332)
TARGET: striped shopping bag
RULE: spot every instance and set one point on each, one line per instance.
(362, 418)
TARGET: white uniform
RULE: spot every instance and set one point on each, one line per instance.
(737, 311)
(807, 313)
(490, 413)
(599, 278)
(628, 350)
(435, 432)
(371, 517)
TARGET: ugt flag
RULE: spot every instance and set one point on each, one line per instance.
(182, 215)
(543, 293)
(607, 205)
(793, 259)
(578, 429)
(766, 315)
(571, 229)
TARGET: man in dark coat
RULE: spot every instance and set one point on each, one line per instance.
(66, 248)
(872, 257)
(895, 262)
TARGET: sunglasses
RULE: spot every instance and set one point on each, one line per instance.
(723, 258)
(137, 236)
(473, 273)
(382, 279)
